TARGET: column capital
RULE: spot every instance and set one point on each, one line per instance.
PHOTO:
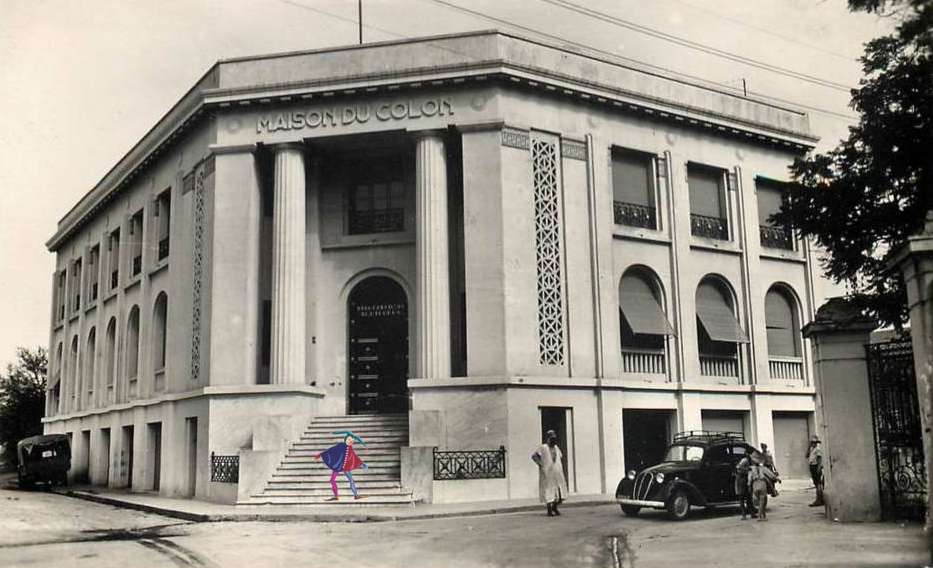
(283, 146)
(429, 133)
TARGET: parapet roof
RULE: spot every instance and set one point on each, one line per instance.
(444, 59)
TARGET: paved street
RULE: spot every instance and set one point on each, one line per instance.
(43, 529)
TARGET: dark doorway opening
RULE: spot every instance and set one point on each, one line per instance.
(558, 419)
(191, 435)
(126, 455)
(155, 454)
(105, 455)
(645, 436)
(377, 348)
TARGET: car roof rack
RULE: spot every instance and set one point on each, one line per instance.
(708, 436)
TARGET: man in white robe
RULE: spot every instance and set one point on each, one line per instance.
(552, 486)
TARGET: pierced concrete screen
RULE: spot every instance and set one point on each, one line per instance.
(544, 155)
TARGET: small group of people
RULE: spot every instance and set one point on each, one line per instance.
(756, 478)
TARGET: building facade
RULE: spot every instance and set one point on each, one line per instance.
(487, 235)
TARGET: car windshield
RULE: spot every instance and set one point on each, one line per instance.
(684, 453)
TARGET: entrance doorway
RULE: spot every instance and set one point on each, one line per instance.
(645, 435)
(105, 455)
(561, 421)
(191, 435)
(377, 348)
(155, 454)
(126, 455)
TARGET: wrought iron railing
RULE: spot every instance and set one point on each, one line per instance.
(719, 366)
(775, 237)
(643, 361)
(225, 469)
(469, 464)
(634, 215)
(163, 248)
(785, 368)
(377, 221)
(137, 264)
(709, 227)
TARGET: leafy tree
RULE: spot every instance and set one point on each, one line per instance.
(22, 398)
(863, 199)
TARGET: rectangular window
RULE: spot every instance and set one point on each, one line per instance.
(377, 196)
(93, 273)
(60, 300)
(136, 243)
(707, 202)
(114, 261)
(76, 285)
(770, 199)
(633, 189)
(163, 212)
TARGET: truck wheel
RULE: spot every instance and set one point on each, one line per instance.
(678, 506)
(630, 510)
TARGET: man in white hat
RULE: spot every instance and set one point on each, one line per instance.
(815, 459)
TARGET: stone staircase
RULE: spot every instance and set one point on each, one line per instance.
(302, 479)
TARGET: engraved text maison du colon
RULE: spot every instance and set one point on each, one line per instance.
(335, 116)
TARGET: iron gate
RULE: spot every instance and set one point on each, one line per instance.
(902, 475)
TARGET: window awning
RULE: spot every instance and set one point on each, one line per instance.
(719, 322)
(643, 313)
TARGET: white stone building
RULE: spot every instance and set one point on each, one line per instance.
(486, 235)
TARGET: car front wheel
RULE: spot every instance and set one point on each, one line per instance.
(678, 506)
(630, 510)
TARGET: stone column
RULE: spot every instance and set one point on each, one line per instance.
(432, 294)
(915, 261)
(288, 266)
(843, 411)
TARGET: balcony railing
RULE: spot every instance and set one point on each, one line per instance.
(719, 366)
(469, 464)
(163, 248)
(709, 227)
(775, 237)
(786, 368)
(377, 221)
(634, 215)
(643, 361)
(137, 264)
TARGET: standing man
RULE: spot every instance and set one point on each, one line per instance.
(552, 486)
(768, 461)
(742, 491)
(815, 459)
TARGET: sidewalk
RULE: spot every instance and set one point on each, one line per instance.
(203, 511)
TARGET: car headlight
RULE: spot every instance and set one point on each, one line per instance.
(659, 477)
(631, 474)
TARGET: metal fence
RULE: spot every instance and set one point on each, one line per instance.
(469, 464)
(225, 469)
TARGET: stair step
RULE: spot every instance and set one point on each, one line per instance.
(371, 461)
(381, 437)
(389, 475)
(341, 482)
(361, 419)
(373, 466)
(345, 500)
(300, 489)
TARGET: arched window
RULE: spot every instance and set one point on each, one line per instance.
(781, 323)
(110, 351)
(71, 385)
(159, 321)
(132, 344)
(642, 323)
(90, 363)
(718, 330)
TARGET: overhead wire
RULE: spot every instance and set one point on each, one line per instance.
(696, 46)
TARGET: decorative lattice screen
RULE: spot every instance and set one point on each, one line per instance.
(544, 156)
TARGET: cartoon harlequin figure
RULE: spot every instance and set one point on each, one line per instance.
(341, 458)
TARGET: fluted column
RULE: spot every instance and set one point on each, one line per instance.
(432, 297)
(288, 266)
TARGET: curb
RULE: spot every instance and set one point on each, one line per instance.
(315, 517)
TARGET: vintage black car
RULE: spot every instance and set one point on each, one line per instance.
(698, 470)
(43, 459)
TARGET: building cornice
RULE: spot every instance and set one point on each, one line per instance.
(208, 96)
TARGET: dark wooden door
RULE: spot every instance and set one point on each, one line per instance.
(378, 347)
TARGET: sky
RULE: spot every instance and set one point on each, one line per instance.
(81, 81)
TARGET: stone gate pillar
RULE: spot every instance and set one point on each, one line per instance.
(843, 411)
(915, 262)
